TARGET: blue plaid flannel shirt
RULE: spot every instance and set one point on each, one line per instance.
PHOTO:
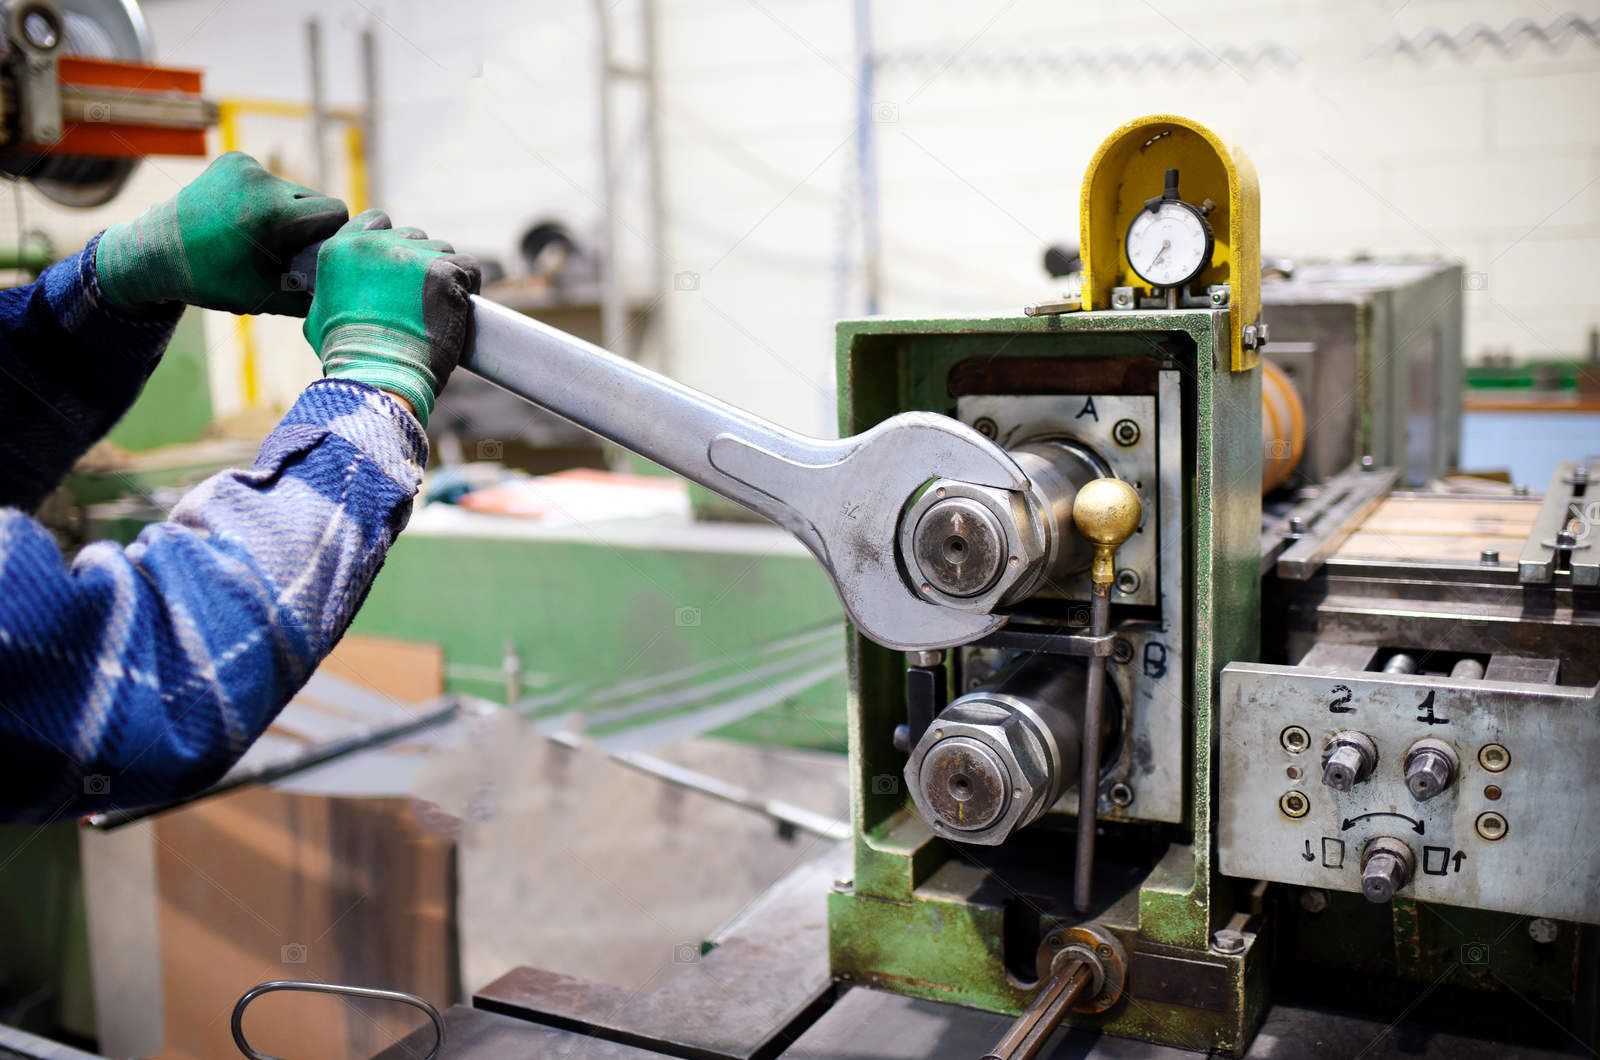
(134, 675)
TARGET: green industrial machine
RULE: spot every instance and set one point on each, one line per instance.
(1151, 396)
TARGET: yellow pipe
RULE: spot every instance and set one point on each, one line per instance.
(355, 145)
(249, 368)
(228, 113)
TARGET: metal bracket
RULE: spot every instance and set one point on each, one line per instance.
(1346, 499)
(36, 29)
(1567, 502)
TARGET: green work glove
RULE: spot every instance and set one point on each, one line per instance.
(392, 308)
(223, 242)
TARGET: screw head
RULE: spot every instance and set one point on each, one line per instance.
(1228, 941)
(1120, 794)
(1294, 739)
(1543, 930)
(1489, 557)
(1297, 525)
(1428, 773)
(1127, 581)
(1126, 433)
(985, 426)
(1294, 804)
(1382, 876)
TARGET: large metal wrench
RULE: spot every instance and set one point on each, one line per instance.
(844, 499)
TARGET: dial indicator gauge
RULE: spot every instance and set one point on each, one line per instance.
(1170, 245)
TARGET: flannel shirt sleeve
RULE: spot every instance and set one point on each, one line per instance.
(136, 675)
(71, 364)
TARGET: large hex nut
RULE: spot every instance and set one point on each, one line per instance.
(986, 767)
(952, 522)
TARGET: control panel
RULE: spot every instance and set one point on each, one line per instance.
(1456, 790)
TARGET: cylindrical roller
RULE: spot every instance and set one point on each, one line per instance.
(997, 758)
(1056, 471)
(1283, 427)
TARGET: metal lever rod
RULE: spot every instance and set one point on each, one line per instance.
(1026, 1037)
(842, 498)
(1107, 513)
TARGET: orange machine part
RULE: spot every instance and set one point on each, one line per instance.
(1283, 427)
(107, 140)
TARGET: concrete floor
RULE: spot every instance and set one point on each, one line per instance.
(574, 863)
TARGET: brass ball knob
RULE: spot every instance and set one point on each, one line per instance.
(1106, 512)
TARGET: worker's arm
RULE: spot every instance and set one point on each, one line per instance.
(136, 675)
(71, 364)
(77, 345)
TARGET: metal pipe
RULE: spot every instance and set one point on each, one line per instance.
(1089, 771)
(369, 79)
(613, 310)
(319, 111)
(1027, 1036)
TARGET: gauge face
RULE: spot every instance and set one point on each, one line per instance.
(1169, 247)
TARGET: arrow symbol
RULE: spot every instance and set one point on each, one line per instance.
(1461, 855)
(1308, 855)
(1350, 822)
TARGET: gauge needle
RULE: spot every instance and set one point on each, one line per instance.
(1166, 245)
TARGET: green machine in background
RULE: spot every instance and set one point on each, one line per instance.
(1159, 389)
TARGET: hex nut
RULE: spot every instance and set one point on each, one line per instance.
(1430, 767)
(1386, 866)
(1348, 758)
(981, 773)
(1227, 940)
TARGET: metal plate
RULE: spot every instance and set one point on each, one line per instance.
(768, 972)
(1090, 420)
(474, 1035)
(1148, 673)
(1549, 858)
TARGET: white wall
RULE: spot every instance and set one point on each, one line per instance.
(490, 121)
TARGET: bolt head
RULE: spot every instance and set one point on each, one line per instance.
(1382, 876)
(1427, 774)
(1228, 941)
(1342, 768)
(1313, 899)
(1543, 930)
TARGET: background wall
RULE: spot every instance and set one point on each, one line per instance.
(1369, 132)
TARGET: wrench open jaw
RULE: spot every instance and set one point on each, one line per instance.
(843, 499)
